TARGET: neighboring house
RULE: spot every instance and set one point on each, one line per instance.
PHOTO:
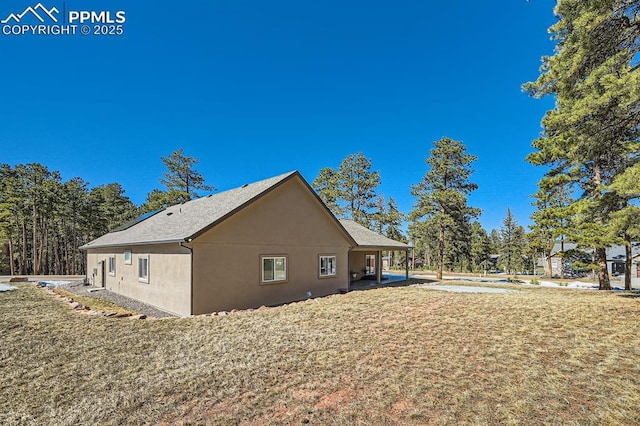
(616, 256)
(265, 243)
(635, 274)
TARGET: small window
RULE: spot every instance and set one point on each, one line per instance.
(274, 269)
(327, 266)
(127, 258)
(112, 266)
(143, 269)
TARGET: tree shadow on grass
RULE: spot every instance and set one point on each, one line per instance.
(634, 294)
(372, 285)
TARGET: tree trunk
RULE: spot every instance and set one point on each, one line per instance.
(440, 254)
(562, 258)
(12, 266)
(56, 255)
(549, 271)
(34, 243)
(603, 273)
(627, 262)
(23, 258)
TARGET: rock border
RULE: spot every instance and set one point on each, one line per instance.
(86, 310)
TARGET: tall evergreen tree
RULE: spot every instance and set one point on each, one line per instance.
(351, 190)
(552, 219)
(326, 186)
(181, 177)
(181, 180)
(592, 135)
(480, 247)
(357, 186)
(442, 195)
(513, 244)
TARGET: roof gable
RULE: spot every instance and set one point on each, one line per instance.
(186, 221)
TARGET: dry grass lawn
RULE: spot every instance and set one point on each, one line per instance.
(388, 356)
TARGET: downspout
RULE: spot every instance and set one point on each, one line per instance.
(188, 240)
(379, 266)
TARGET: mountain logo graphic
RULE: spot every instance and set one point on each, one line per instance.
(38, 11)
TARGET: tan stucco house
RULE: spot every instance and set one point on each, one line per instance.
(265, 243)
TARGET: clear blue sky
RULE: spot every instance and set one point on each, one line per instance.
(257, 88)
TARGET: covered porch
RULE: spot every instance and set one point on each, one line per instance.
(366, 267)
(365, 257)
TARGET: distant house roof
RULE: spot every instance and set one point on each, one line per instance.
(186, 221)
(617, 252)
(366, 238)
(557, 247)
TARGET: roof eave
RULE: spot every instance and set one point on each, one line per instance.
(137, 243)
(380, 247)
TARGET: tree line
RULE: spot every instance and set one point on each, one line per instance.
(44, 220)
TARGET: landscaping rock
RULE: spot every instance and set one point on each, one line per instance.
(122, 315)
(222, 314)
(110, 314)
(75, 305)
(139, 317)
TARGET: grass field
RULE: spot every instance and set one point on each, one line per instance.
(387, 356)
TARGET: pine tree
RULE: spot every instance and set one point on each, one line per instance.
(357, 185)
(512, 244)
(350, 192)
(552, 219)
(592, 135)
(441, 201)
(480, 247)
(326, 186)
(181, 180)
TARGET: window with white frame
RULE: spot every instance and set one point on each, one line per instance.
(112, 266)
(274, 269)
(327, 265)
(143, 269)
(127, 257)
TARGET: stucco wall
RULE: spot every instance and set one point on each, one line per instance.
(357, 261)
(169, 286)
(287, 221)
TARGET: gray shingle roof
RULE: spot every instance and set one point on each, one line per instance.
(183, 221)
(616, 252)
(365, 237)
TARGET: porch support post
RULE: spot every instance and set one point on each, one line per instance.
(349, 270)
(379, 266)
(406, 264)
